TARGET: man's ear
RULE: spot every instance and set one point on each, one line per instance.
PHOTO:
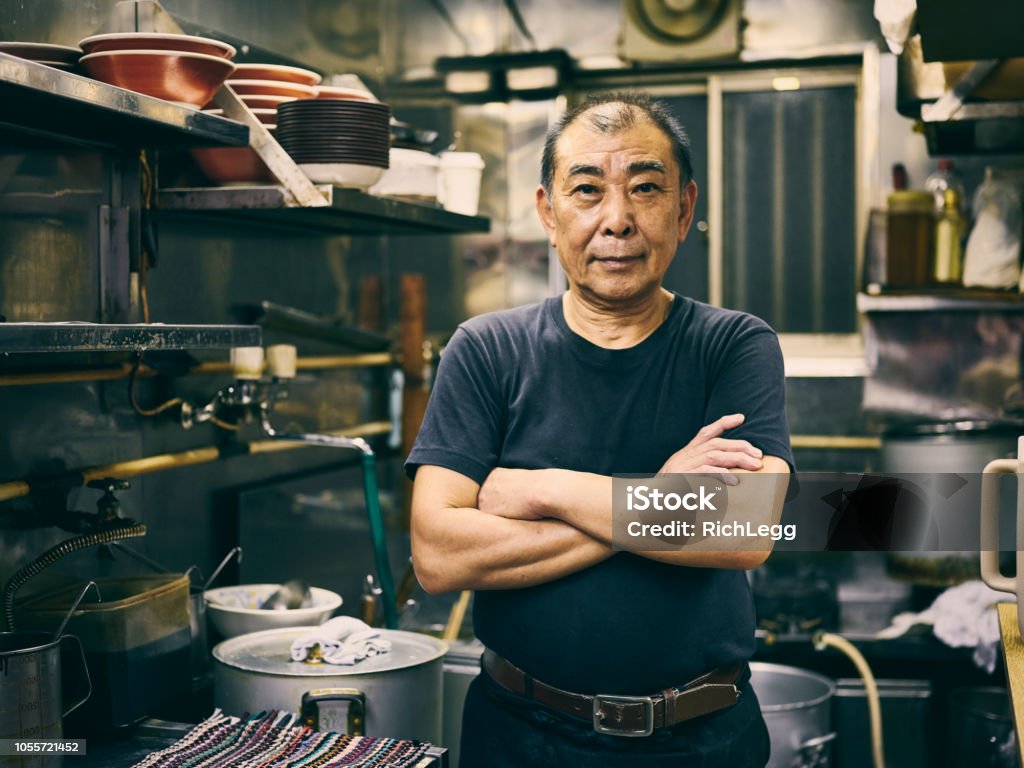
(687, 205)
(547, 216)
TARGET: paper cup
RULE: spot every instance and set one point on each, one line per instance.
(459, 182)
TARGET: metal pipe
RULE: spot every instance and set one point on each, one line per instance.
(134, 467)
(836, 442)
(123, 371)
(380, 547)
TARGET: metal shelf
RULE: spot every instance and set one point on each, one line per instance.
(43, 104)
(97, 337)
(349, 212)
(944, 300)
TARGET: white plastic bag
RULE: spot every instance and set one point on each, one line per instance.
(992, 259)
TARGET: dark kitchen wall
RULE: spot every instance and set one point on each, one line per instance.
(51, 225)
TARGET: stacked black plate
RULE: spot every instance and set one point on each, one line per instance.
(324, 131)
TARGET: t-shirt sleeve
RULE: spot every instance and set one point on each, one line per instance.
(751, 380)
(461, 429)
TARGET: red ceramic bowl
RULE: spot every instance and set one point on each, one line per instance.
(278, 73)
(272, 88)
(155, 41)
(232, 165)
(185, 78)
(265, 102)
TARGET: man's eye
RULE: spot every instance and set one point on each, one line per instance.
(586, 189)
(647, 186)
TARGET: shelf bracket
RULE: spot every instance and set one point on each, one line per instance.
(951, 101)
(142, 16)
(298, 189)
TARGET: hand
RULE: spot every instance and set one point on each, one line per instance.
(709, 453)
(510, 493)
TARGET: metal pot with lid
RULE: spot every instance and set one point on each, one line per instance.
(394, 695)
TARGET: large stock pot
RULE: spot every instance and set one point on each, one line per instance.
(396, 695)
(797, 708)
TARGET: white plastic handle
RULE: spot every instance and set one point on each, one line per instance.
(990, 572)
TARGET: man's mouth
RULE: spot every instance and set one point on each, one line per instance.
(616, 261)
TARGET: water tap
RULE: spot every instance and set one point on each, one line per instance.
(250, 393)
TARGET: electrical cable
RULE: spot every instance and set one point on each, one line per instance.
(517, 17)
(135, 403)
(146, 178)
(442, 11)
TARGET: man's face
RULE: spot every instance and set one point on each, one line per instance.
(616, 212)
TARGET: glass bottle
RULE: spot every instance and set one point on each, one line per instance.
(945, 177)
(949, 232)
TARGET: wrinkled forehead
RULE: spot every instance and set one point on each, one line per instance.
(609, 130)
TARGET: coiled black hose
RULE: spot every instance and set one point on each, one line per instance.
(52, 555)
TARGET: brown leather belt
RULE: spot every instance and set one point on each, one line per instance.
(624, 715)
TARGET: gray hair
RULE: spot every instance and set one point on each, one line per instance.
(636, 108)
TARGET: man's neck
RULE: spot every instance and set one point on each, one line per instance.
(615, 327)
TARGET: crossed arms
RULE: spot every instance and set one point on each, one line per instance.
(527, 527)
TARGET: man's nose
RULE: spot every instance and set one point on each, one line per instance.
(618, 214)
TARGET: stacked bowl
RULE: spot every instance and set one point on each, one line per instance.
(262, 88)
(185, 69)
(337, 141)
(56, 56)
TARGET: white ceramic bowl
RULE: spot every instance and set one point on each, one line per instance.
(350, 175)
(234, 611)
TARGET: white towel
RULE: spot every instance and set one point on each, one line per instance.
(962, 616)
(343, 641)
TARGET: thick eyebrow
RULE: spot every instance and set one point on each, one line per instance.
(648, 165)
(640, 167)
(584, 170)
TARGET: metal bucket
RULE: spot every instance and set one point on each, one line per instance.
(797, 708)
(981, 728)
(41, 680)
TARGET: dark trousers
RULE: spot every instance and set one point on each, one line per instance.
(501, 729)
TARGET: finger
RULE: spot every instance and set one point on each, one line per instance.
(717, 427)
(725, 444)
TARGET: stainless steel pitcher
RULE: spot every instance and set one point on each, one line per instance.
(42, 679)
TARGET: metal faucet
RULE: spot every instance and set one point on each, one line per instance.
(252, 396)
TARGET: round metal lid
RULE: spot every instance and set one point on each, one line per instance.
(965, 427)
(269, 652)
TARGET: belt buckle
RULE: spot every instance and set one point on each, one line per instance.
(647, 701)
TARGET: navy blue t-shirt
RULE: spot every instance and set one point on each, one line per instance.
(520, 389)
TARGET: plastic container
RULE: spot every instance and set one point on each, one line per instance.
(459, 188)
(412, 175)
(137, 645)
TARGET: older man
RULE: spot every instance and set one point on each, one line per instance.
(598, 656)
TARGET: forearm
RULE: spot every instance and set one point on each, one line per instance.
(464, 548)
(584, 501)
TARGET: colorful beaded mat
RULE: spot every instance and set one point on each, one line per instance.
(278, 740)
